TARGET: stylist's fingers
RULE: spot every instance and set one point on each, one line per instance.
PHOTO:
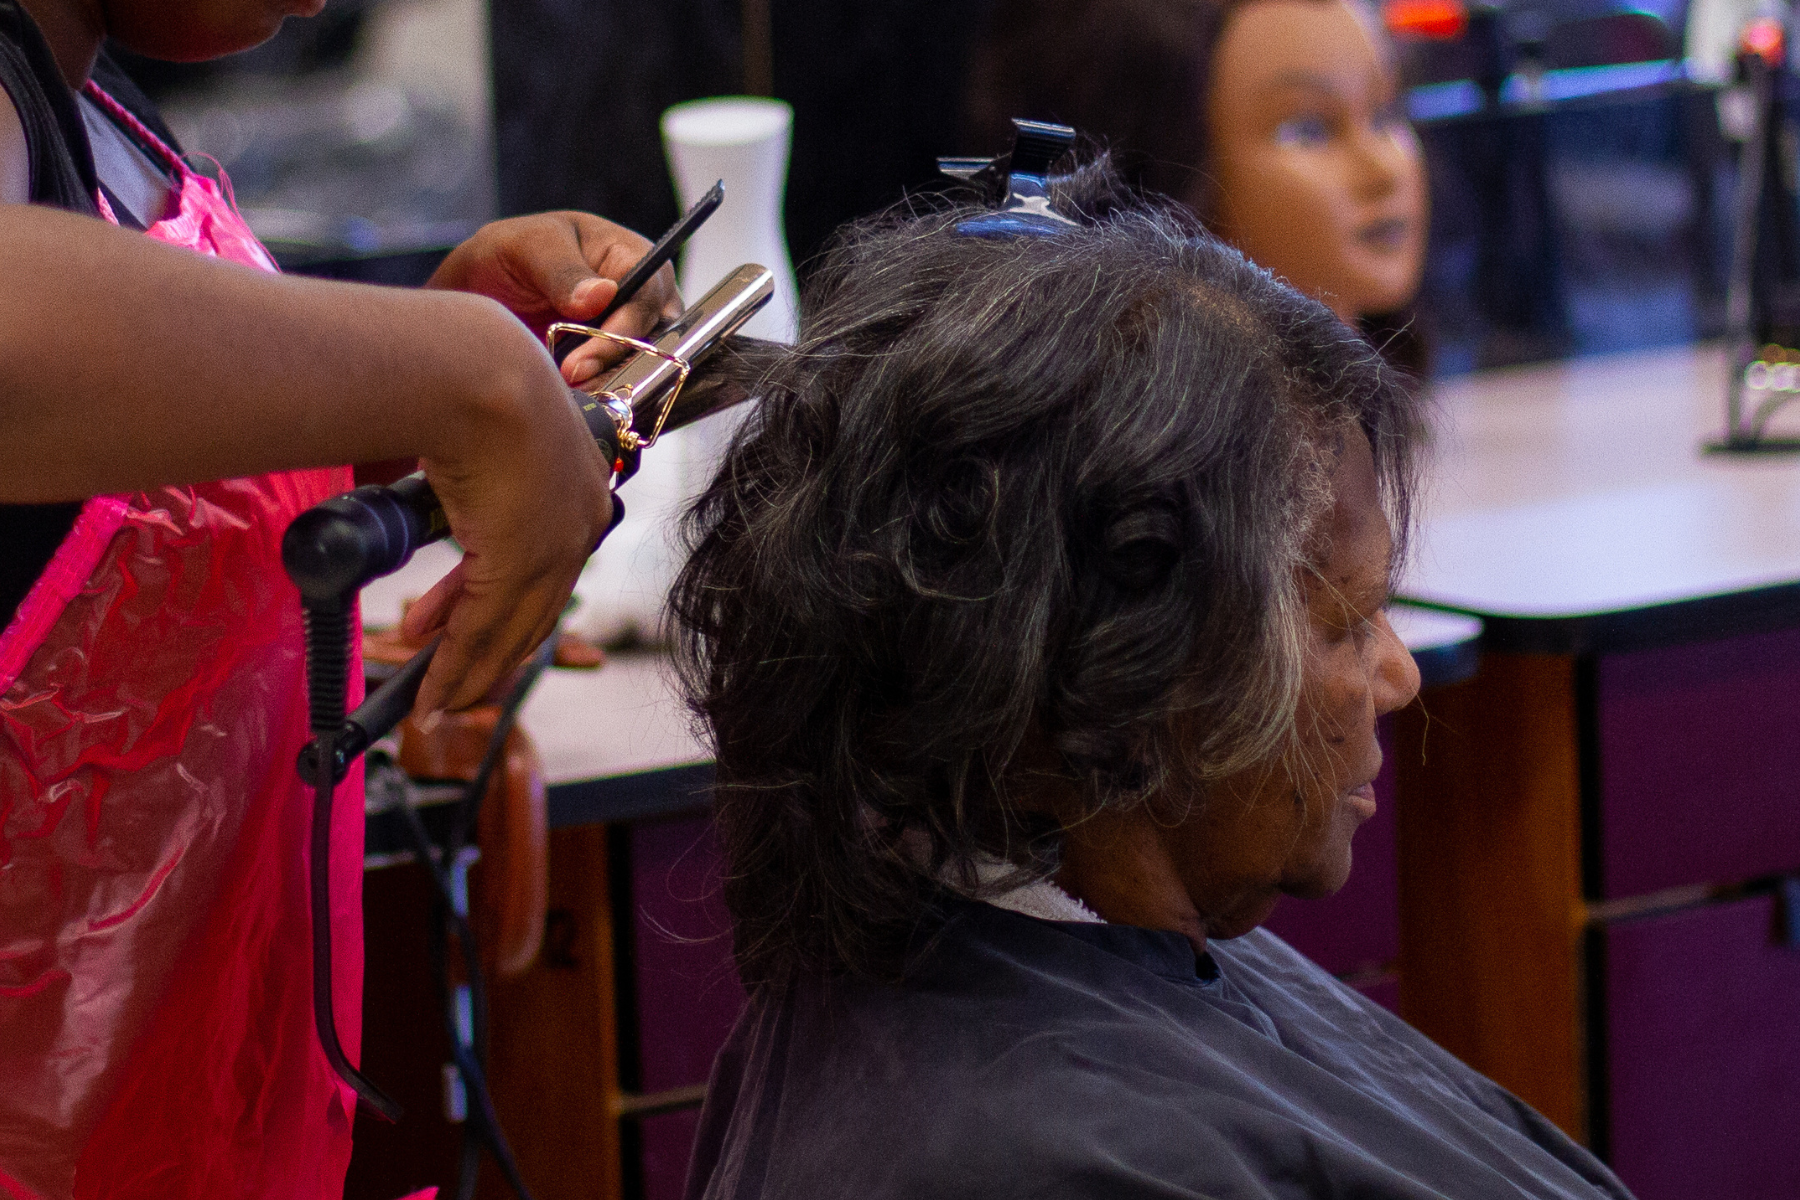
(611, 252)
(492, 610)
(612, 257)
(487, 631)
(655, 302)
(544, 267)
(528, 497)
(573, 260)
(424, 618)
(563, 266)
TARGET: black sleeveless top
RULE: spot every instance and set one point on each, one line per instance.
(62, 176)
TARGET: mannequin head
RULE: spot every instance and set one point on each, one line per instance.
(1278, 121)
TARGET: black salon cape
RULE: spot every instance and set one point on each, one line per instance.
(1030, 1058)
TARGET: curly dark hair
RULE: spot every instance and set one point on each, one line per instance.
(1007, 507)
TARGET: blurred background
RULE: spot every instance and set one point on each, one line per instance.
(1582, 169)
(1581, 184)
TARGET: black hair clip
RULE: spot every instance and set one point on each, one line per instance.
(1026, 211)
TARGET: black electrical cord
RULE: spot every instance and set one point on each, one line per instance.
(328, 631)
(448, 918)
(327, 681)
(483, 1126)
(464, 821)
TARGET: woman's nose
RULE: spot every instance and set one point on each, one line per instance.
(1385, 158)
(1396, 674)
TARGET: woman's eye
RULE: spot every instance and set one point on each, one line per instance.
(1306, 130)
(1349, 629)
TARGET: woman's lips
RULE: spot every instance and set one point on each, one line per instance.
(1362, 799)
(1386, 235)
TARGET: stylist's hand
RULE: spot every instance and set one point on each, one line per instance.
(562, 266)
(526, 492)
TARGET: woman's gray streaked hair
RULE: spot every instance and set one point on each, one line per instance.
(1008, 506)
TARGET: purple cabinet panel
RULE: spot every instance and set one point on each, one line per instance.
(1356, 931)
(1699, 763)
(668, 1142)
(1703, 1054)
(688, 995)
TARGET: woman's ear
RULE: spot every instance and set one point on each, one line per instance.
(1140, 549)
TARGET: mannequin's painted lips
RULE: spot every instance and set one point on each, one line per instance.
(1385, 235)
(1362, 799)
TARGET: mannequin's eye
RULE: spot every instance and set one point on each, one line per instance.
(1392, 115)
(1308, 129)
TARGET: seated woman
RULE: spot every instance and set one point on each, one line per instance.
(1038, 615)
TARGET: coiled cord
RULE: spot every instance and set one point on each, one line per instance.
(327, 687)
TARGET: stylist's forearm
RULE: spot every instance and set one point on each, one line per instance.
(125, 364)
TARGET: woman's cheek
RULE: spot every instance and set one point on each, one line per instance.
(1315, 214)
(1344, 690)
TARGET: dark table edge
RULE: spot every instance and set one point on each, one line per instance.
(1706, 619)
(642, 796)
(664, 794)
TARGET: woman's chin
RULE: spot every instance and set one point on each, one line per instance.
(1386, 287)
(1325, 878)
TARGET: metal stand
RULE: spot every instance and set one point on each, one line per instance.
(1764, 374)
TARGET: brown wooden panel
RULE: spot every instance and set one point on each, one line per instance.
(1490, 877)
(553, 1050)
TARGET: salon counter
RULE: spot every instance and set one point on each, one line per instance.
(1572, 507)
(617, 743)
(1595, 830)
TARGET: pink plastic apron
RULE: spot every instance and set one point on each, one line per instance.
(156, 1028)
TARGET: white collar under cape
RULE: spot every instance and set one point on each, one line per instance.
(1040, 898)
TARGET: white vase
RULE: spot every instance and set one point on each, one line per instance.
(744, 141)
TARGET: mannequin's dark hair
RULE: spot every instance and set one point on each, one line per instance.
(1134, 76)
(1008, 507)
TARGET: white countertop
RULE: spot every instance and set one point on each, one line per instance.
(623, 719)
(1581, 488)
(1425, 629)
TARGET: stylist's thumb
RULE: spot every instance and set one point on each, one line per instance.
(585, 294)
